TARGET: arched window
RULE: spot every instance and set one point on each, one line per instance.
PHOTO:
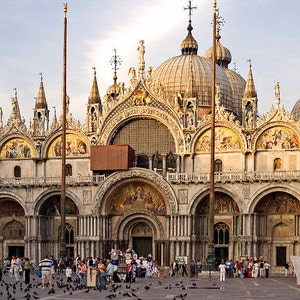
(221, 234)
(68, 170)
(17, 172)
(69, 234)
(218, 166)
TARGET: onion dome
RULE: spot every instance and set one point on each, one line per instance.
(223, 55)
(113, 91)
(189, 44)
(296, 111)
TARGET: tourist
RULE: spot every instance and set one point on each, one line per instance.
(27, 269)
(45, 266)
(267, 267)
(222, 269)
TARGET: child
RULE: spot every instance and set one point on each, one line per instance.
(69, 275)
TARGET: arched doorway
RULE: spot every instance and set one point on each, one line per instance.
(142, 239)
(226, 212)
(50, 225)
(13, 228)
(221, 241)
(277, 219)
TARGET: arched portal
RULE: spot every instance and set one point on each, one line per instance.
(12, 228)
(50, 224)
(227, 214)
(277, 227)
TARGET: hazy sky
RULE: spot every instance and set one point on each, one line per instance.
(265, 31)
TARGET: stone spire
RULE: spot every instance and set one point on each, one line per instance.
(94, 108)
(94, 94)
(15, 117)
(41, 112)
(55, 123)
(250, 87)
(249, 102)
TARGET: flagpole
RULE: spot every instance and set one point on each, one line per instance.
(63, 154)
(211, 245)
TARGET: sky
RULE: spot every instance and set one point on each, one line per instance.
(31, 42)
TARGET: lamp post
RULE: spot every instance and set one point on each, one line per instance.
(211, 245)
(64, 129)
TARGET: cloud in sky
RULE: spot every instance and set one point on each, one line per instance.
(264, 31)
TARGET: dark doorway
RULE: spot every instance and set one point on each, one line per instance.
(280, 256)
(142, 245)
(221, 253)
(15, 251)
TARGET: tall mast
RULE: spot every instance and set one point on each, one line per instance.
(211, 246)
(63, 156)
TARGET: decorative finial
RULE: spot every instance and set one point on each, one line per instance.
(250, 63)
(65, 7)
(219, 22)
(94, 68)
(115, 61)
(190, 8)
(41, 74)
(277, 93)
(15, 90)
(54, 108)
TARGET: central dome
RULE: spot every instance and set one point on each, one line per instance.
(191, 75)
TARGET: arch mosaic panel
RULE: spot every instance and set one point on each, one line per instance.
(223, 204)
(75, 146)
(17, 148)
(135, 196)
(51, 207)
(225, 139)
(278, 137)
(278, 203)
(11, 208)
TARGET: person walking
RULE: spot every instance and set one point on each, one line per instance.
(69, 276)
(45, 266)
(27, 269)
(286, 269)
(14, 268)
(267, 269)
(222, 268)
(184, 272)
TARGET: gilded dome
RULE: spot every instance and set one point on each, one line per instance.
(191, 75)
(296, 111)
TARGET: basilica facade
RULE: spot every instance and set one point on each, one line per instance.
(159, 202)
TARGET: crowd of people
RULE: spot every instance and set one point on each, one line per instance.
(122, 266)
(247, 267)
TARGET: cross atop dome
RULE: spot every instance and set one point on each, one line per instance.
(190, 8)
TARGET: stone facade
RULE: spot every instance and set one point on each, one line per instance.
(159, 206)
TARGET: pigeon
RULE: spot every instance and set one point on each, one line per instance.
(147, 287)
